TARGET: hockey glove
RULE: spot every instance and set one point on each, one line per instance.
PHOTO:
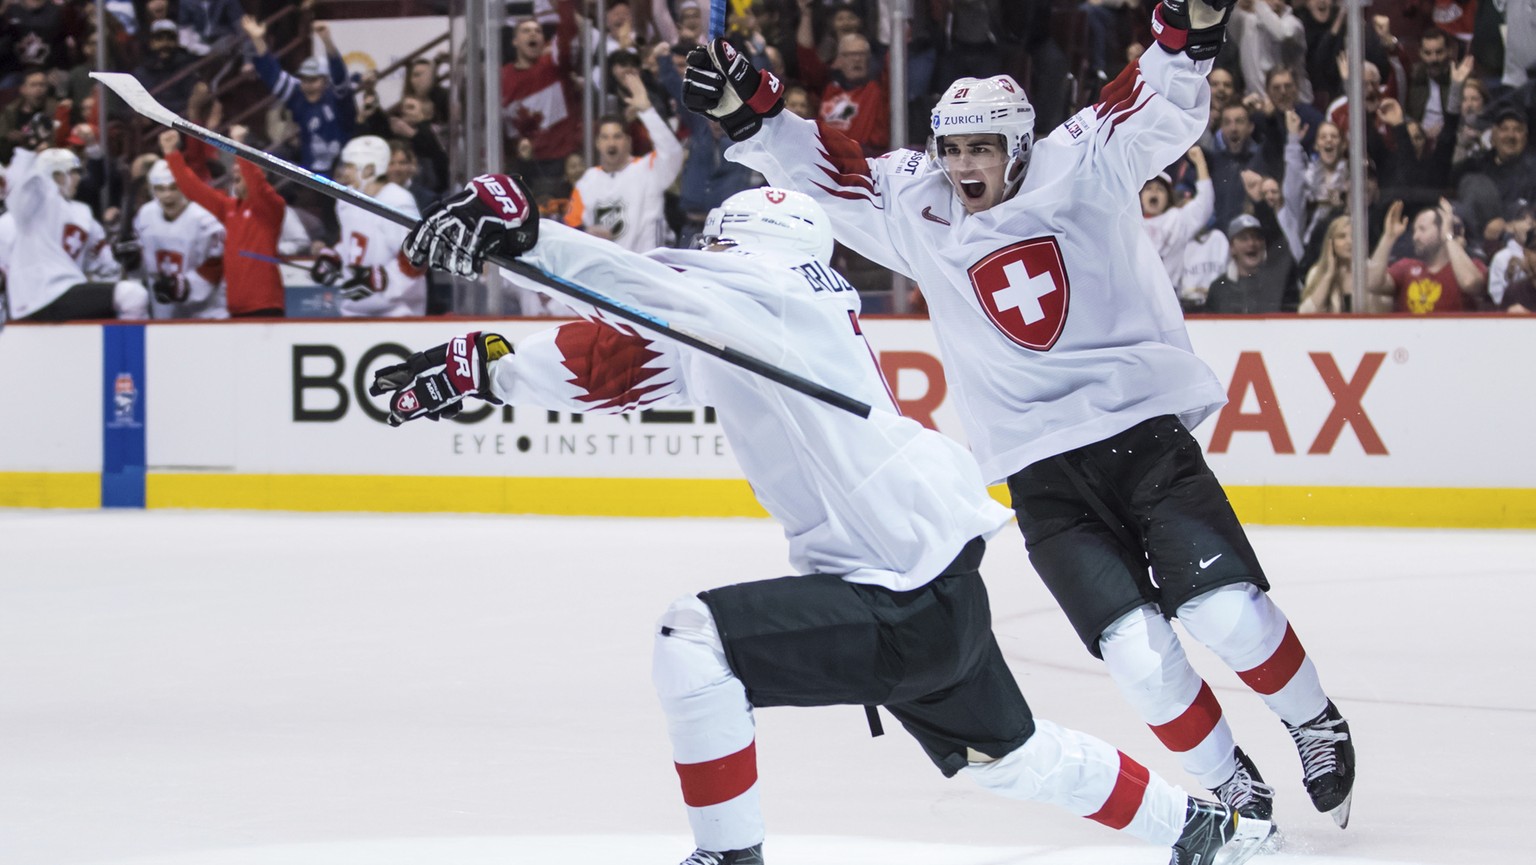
(129, 253)
(1196, 27)
(434, 383)
(364, 281)
(169, 287)
(327, 267)
(494, 214)
(723, 84)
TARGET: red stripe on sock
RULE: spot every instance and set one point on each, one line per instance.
(714, 781)
(1191, 728)
(1277, 672)
(1125, 800)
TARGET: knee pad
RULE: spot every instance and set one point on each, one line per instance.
(130, 299)
(1138, 649)
(689, 655)
(1238, 622)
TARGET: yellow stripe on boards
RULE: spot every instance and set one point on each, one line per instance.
(618, 497)
(1405, 507)
(50, 490)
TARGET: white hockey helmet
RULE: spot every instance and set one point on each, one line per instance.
(981, 106)
(366, 150)
(160, 174)
(57, 160)
(773, 219)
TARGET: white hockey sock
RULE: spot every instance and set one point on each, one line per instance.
(1089, 778)
(1145, 659)
(710, 723)
(1247, 631)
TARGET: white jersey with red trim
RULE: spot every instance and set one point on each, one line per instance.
(62, 239)
(1055, 318)
(370, 240)
(628, 203)
(190, 246)
(878, 500)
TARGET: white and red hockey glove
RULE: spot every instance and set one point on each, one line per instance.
(434, 383)
(1196, 27)
(169, 287)
(722, 83)
(494, 213)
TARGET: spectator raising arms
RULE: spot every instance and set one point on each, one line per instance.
(621, 197)
(539, 100)
(253, 219)
(320, 97)
(1440, 276)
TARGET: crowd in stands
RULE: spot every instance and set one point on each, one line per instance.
(1255, 219)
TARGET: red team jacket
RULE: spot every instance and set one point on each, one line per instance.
(251, 224)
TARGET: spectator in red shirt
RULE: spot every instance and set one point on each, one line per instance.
(539, 98)
(253, 220)
(852, 102)
(1440, 276)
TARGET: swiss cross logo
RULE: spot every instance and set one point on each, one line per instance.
(73, 240)
(1023, 289)
(1004, 82)
(407, 402)
(169, 262)
(359, 243)
(775, 196)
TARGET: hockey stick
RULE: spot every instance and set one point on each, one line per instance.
(128, 88)
(272, 259)
(717, 18)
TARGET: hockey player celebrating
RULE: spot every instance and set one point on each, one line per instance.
(887, 520)
(367, 266)
(58, 264)
(1066, 351)
(183, 249)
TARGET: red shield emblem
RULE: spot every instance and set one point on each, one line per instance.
(775, 196)
(407, 402)
(1023, 289)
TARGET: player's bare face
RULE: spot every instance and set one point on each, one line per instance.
(68, 181)
(975, 164)
(346, 174)
(172, 202)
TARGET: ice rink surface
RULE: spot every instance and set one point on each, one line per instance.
(210, 688)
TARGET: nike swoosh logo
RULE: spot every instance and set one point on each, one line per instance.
(928, 215)
(1205, 563)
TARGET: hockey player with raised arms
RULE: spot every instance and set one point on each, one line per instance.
(58, 263)
(1067, 355)
(367, 266)
(183, 249)
(888, 521)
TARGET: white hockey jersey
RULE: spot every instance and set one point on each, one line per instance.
(1055, 318)
(878, 500)
(52, 244)
(629, 203)
(369, 240)
(192, 246)
(1171, 230)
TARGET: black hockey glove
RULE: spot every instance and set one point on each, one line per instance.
(129, 253)
(169, 287)
(494, 214)
(722, 83)
(1196, 27)
(327, 267)
(364, 281)
(434, 383)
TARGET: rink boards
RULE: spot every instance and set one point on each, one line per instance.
(1336, 421)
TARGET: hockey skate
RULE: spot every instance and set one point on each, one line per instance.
(1327, 762)
(1247, 794)
(1216, 835)
(751, 856)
